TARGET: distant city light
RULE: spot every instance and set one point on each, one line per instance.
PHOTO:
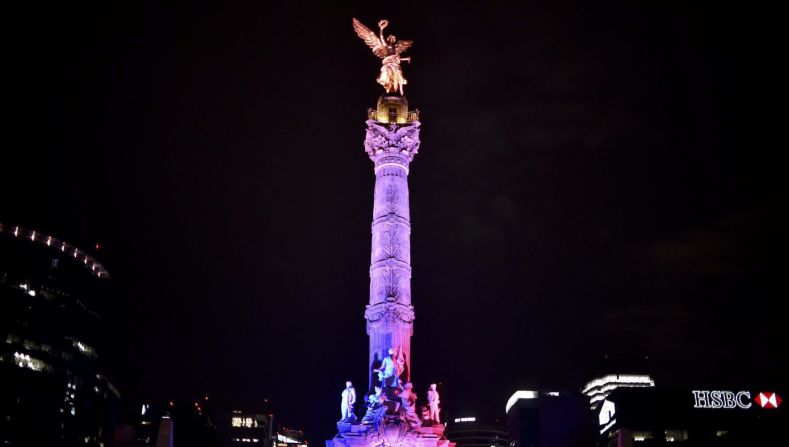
(83, 348)
(246, 422)
(466, 419)
(25, 361)
(36, 237)
(598, 389)
(521, 394)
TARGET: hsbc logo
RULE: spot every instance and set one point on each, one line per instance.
(768, 400)
(729, 399)
(721, 399)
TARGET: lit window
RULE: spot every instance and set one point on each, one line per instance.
(25, 361)
(83, 348)
(521, 394)
(639, 436)
(676, 435)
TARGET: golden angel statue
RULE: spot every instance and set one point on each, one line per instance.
(389, 50)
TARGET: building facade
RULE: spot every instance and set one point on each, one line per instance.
(548, 419)
(470, 431)
(53, 389)
(599, 388)
(691, 417)
(617, 372)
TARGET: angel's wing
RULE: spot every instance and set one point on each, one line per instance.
(369, 37)
(402, 45)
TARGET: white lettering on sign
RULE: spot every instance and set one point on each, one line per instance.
(740, 402)
(721, 399)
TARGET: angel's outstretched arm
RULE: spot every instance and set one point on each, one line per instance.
(383, 23)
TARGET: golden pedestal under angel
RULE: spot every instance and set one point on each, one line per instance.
(388, 49)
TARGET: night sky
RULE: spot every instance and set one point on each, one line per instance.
(592, 180)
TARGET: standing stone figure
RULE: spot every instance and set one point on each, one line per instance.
(408, 406)
(432, 401)
(348, 400)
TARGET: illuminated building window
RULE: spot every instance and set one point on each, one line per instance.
(521, 394)
(243, 422)
(83, 348)
(639, 436)
(676, 435)
(598, 389)
(25, 361)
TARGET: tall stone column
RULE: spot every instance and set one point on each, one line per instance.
(392, 141)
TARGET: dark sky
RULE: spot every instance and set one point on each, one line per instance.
(593, 179)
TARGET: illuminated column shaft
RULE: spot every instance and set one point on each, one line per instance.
(389, 313)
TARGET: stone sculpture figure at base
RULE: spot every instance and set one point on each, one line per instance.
(375, 408)
(432, 402)
(408, 406)
(347, 403)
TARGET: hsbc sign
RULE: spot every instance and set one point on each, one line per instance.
(721, 399)
(730, 399)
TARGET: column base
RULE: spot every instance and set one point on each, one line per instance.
(390, 432)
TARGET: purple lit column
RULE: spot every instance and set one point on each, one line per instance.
(389, 313)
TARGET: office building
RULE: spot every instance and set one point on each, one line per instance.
(709, 417)
(472, 431)
(614, 373)
(53, 389)
(548, 419)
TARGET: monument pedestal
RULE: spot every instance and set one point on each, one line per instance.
(391, 432)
